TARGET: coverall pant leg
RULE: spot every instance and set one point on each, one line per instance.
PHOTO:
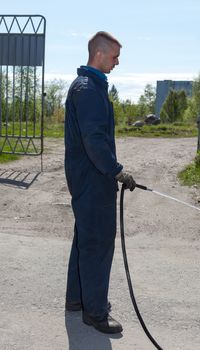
(91, 255)
(73, 292)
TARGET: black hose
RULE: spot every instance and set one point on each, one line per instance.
(127, 268)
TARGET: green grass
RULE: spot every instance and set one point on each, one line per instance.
(161, 130)
(22, 129)
(54, 130)
(191, 174)
(5, 158)
(50, 130)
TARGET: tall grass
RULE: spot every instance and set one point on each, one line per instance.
(161, 130)
(56, 130)
(191, 174)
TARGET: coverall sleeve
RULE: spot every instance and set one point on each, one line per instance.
(94, 123)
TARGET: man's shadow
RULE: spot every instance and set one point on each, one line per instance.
(83, 337)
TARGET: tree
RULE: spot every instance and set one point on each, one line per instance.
(196, 92)
(118, 113)
(130, 110)
(150, 98)
(56, 91)
(193, 109)
(26, 90)
(2, 96)
(146, 103)
(20, 94)
(113, 94)
(125, 112)
(142, 106)
(174, 106)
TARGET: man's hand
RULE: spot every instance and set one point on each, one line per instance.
(127, 180)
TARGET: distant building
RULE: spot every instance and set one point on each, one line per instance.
(163, 87)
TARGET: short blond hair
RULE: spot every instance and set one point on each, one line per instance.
(101, 41)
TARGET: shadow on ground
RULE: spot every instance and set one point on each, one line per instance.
(83, 337)
(18, 178)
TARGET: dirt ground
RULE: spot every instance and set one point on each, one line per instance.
(36, 227)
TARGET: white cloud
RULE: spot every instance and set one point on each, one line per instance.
(53, 75)
(75, 34)
(81, 35)
(129, 85)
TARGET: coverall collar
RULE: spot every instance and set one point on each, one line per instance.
(90, 73)
(96, 71)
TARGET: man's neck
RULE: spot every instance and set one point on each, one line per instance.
(96, 71)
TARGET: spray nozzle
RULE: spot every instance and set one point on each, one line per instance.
(142, 187)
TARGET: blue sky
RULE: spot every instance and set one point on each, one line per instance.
(160, 39)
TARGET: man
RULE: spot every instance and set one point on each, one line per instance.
(92, 172)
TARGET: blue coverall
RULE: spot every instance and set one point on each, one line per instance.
(91, 167)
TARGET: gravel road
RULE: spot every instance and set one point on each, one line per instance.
(162, 239)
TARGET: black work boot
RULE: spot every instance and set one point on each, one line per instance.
(106, 325)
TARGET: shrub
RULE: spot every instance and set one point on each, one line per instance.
(197, 159)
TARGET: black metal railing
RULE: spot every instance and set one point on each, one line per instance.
(22, 55)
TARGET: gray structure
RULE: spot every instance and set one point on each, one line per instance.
(163, 87)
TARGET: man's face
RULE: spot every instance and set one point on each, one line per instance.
(109, 59)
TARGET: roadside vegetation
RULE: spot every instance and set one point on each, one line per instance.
(178, 116)
(177, 119)
(190, 176)
(6, 158)
(161, 130)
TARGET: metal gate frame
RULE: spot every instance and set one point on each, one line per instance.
(22, 58)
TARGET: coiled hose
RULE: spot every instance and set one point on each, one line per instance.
(127, 267)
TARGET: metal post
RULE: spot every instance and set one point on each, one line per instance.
(198, 125)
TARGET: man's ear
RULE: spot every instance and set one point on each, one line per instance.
(98, 54)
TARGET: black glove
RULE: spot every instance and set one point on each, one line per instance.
(127, 180)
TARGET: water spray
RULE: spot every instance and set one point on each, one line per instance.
(167, 196)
